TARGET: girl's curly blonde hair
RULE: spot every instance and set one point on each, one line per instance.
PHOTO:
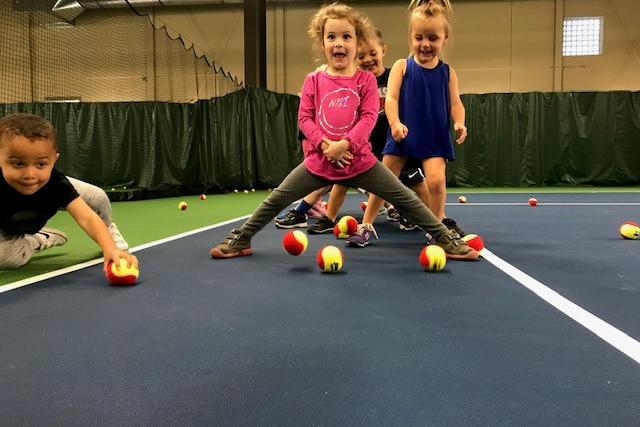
(337, 10)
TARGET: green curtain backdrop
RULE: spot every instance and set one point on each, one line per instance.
(572, 138)
(248, 139)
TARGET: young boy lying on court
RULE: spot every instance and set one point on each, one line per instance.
(32, 191)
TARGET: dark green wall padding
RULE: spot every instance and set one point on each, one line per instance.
(529, 139)
(248, 139)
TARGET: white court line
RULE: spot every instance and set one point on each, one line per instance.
(607, 332)
(544, 204)
(72, 268)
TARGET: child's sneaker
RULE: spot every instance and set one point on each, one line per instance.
(322, 225)
(451, 225)
(455, 247)
(49, 237)
(392, 214)
(293, 219)
(405, 224)
(117, 237)
(235, 244)
(361, 237)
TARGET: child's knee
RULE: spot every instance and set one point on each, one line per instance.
(436, 183)
(13, 263)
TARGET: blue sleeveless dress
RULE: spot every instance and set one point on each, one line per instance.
(425, 109)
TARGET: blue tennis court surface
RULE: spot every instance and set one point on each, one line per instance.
(269, 340)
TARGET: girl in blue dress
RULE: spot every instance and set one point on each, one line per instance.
(422, 101)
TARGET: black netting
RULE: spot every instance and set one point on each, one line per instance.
(108, 55)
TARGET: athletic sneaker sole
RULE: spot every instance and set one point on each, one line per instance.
(357, 245)
(216, 253)
(320, 231)
(471, 256)
(287, 226)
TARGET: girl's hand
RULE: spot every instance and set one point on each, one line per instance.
(461, 132)
(344, 161)
(399, 131)
(115, 256)
(336, 152)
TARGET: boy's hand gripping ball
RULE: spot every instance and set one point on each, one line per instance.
(120, 274)
(329, 259)
(295, 242)
(346, 226)
(630, 230)
(432, 258)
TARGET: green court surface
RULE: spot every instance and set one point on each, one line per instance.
(149, 220)
(139, 222)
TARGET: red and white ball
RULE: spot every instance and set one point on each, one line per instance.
(462, 199)
(295, 242)
(474, 241)
(533, 202)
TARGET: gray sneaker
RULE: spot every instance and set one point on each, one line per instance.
(117, 237)
(292, 219)
(452, 225)
(392, 214)
(322, 225)
(455, 247)
(406, 224)
(235, 244)
(361, 237)
(49, 237)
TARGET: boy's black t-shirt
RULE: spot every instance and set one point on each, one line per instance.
(381, 129)
(22, 214)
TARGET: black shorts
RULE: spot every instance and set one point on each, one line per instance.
(412, 172)
(411, 176)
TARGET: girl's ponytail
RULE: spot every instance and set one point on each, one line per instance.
(445, 4)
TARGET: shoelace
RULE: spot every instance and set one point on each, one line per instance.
(233, 235)
(366, 227)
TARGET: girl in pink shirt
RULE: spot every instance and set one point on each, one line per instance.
(338, 110)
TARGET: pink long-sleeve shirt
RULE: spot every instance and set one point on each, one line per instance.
(338, 107)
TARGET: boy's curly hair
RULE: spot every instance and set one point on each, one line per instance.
(28, 125)
(337, 10)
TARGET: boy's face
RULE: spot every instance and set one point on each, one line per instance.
(339, 45)
(27, 163)
(370, 57)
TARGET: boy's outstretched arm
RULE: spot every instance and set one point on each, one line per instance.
(91, 223)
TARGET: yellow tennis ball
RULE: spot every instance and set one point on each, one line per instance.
(432, 258)
(630, 230)
(329, 259)
(347, 225)
(183, 206)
